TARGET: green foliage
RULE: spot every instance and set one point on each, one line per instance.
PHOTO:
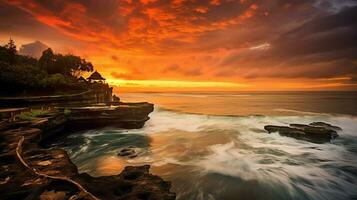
(55, 80)
(32, 114)
(11, 46)
(8, 52)
(52, 71)
(47, 60)
(26, 60)
(20, 76)
(68, 65)
(67, 112)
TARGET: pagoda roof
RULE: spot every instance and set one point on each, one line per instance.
(96, 76)
(81, 78)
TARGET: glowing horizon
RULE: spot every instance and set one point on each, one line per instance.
(196, 45)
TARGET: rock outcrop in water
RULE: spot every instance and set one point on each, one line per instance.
(29, 171)
(325, 125)
(124, 115)
(317, 132)
(130, 152)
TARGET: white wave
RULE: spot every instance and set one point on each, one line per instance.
(163, 120)
(243, 150)
(300, 112)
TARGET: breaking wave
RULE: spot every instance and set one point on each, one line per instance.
(226, 157)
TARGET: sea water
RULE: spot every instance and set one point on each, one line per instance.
(213, 145)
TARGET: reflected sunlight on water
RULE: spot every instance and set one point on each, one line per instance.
(109, 165)
(208, 156)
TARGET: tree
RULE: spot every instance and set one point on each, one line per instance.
(47, 60)
(11, 47)
(68, 65)
(51, 72)
(20, 77)
(83, 66)
(8, 52)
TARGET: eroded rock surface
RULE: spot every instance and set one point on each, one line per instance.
(132, 183)
(130, 152)
(325, 125)
(46, 172)
(317, 132)
(124, 115)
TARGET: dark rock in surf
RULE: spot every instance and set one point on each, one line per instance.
(317, 132)
(325, 125)
(123, 115)
(130, 152)
(134, 182)
(29, 171)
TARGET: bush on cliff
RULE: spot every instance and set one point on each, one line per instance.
(52, 73)
(31, 115)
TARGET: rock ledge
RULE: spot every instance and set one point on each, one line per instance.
(29, 171)
(317, 132)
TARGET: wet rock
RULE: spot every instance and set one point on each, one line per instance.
(317, 132)
(5, 180)
(44, 163)
(32, 181)
(130, 152)
(325, 125)
(134, 182)
(124, 115)
(53, 195)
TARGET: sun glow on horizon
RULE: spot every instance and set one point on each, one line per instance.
(190, 45)
(174, 84)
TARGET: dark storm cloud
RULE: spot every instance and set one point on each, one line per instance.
(335, 5)
(14, 20)
(251, 39)
(324, 34)
(177, 19)
(17, 23)
(323, 47)
(271, 19)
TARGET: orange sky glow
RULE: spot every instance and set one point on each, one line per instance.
(196, 45)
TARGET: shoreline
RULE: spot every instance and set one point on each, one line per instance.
(31, 171)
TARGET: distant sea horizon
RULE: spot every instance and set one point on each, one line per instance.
(212, 145)
(250, 103)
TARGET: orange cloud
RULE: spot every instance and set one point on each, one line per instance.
(216, 41)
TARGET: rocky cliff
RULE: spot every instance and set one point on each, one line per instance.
(29, 171)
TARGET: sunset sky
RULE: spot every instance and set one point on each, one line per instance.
(154, 45)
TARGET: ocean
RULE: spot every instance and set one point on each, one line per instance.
(212, 145)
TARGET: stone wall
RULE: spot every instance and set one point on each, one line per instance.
(95, 93)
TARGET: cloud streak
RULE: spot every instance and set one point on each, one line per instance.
(248, 41)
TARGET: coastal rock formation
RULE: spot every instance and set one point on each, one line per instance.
(124, 115)
(95, 93)
(317, 132)
(132, 183)
(325, 125)
(130, 152)
(29, 171)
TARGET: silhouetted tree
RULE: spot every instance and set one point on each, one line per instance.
(8, 52)
(68, 65)
(51, 72)
(47, 60)
(11, 47)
